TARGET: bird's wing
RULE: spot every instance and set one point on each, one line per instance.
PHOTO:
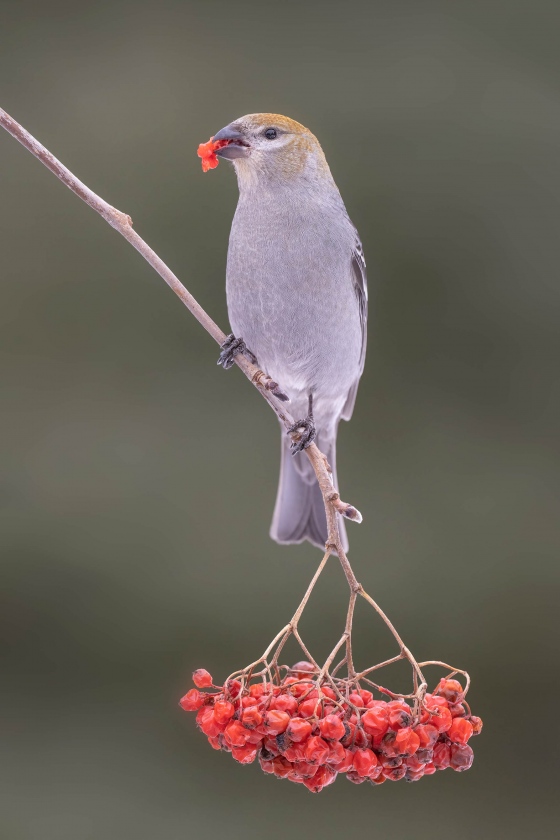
(359, 278)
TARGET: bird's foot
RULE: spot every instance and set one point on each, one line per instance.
(231, 347)
(306, 434)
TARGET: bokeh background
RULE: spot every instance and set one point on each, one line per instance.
(138, 479)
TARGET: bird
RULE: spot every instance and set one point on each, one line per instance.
(296, 291)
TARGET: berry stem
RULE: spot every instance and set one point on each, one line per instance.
(335, 544)
(363, 674)
(452, 671)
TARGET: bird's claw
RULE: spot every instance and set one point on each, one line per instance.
(306, 434)
(231, 347)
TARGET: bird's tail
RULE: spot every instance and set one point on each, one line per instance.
(299, 513)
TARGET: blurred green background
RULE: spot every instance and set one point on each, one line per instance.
(138, 479)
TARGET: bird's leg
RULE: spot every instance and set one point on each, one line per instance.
(305, 428)
(229, 350)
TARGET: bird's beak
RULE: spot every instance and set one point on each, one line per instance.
(237, 146)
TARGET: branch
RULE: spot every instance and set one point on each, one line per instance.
(123, 224)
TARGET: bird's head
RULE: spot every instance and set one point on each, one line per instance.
(270, 148)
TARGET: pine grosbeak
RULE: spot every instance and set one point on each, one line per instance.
(297, 298)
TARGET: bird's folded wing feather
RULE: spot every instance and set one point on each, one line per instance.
(359, 278)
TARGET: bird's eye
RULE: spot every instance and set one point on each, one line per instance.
(270, 133)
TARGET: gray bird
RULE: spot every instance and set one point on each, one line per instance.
(297, 299)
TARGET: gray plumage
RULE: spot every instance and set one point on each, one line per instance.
(297, 295)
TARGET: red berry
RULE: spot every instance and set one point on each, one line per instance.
(337, 754)
(256, 690)
(255, 736)
(276, 721)
(429, 769)
(207, 151)
(192, 700)
(251, 717)
(304, 687)
(235, 734)
(356, 699)
(442, 755)
(281, 768)
(295, 752)
(460, 731)
(346, 763)
(321, 779)
(364, 762)
(390, 760)
(246, 754)
(303, 770)
(413, 762)
(284, 703)
(443, 720)
(206, 721)
(434, 705)
(376, 773)
(451, 690)
(298, 729)
(394, 773)
(215, 742)
(266, 765)
(329, 692)
(332, 728)
(389, 745)
(270, 746)
(376, 720)
(427, 733)
(399, 715)
(316, 750)
(476, 724)
(233, 687)
(202, 679)
(461, 757)
(308, 708)
(223, 711)
(362, 739)
(406, 741)
(433, 700)
(354, 777)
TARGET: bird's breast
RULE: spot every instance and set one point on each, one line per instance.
(291, 297)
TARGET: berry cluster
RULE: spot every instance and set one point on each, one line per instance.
(308, 733)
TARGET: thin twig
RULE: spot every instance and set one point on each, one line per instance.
(367, 671)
